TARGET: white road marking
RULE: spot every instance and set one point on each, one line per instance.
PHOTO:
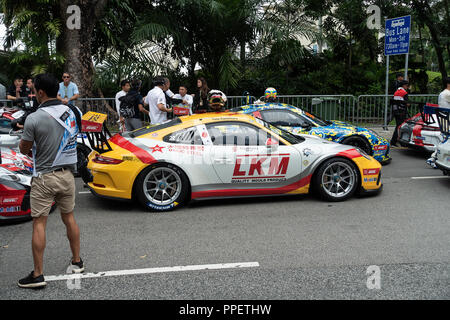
(153, 270)
(433, 177)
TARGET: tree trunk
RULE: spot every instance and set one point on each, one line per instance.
(77, 42)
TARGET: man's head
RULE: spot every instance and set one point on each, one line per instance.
(66, 78)
(46, 87)
(18, 81)
(182, 91)
(404, 84)
(30, 84)
(399, 77)
(136, 85)
(126, 86)
(166, 84)
(447, 82)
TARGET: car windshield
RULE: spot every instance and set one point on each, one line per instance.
(316, 119)
(146, 130)
(289, 137)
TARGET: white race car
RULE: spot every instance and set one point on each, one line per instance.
(443, 148)
(225, 155)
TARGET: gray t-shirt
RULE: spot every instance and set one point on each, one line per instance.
(47, 134)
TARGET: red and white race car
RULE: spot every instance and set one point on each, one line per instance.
(15, 182)
(420, 131)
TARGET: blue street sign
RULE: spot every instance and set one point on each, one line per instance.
(397, 36)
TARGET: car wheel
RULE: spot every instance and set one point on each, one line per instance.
(82, 157)
(162, 187)
(360, 143)
(336, 179)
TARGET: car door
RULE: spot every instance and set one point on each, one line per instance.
(244, 154)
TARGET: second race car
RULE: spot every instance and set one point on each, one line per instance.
(226, 155)
(297, 121)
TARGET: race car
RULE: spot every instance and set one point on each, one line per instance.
(15, 182)
(297, 121)
(420, 132)
(225, 155)
(443, 148)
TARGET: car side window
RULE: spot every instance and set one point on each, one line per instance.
(285, 118)
(5, 126)
(184, 136)
(237, 133)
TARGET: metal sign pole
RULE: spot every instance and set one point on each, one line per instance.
(387, 93)
(406, 66)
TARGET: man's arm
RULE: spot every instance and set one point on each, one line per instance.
(142, 109)
(25, 147)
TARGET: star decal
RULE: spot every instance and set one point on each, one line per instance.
(157, 148)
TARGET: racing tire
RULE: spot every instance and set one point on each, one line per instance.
(162, 187)
(360, 143)
(337, 179)
(82, 158)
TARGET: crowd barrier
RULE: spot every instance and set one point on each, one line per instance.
(360, 110)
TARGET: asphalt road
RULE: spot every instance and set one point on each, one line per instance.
(303, 248)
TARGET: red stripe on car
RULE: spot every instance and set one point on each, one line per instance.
(351, 154)
(142, 155)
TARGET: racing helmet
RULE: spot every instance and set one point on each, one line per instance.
(270, 94)
(217, 100)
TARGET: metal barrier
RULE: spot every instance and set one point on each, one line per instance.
(370, 109)
(330, 107)
(361, 110)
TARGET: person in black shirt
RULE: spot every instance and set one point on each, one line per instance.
(16, 91)
(201, 97)
(131, 107)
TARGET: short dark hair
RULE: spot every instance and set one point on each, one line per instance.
(18, 78)
(136, 84)
(447, 81)
(124, 82)
(47, 83)
(183, 86)
(159, 81)
(398, 75)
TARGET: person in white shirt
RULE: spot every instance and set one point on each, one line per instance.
(188, 100)
(156, 100)
(126, 86)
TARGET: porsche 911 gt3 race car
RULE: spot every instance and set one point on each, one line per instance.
(226, 155)
(420, 132)
(297, 121)
(15, 182)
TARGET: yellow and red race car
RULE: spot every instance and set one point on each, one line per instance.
(223, 155)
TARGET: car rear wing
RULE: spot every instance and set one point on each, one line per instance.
(427, 111)
(443, 116)
(94, 127)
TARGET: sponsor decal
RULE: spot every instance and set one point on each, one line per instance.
(370, 179)
(380, 148)
(9, 209)
(419, 138)
(258, 168)
(307, 152)
(305, 163)
(6, 201)
(371, 172)
(195, 150)
(157, 148)
(162, 208)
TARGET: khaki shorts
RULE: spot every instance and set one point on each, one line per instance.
(58, 187)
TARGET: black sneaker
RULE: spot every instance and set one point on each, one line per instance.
(76, 267)
(32, 282)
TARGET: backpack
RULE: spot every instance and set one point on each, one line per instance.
(127, 104)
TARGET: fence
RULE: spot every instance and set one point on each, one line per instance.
(361, 110)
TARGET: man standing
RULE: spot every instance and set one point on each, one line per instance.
(125, 84)
(156, 99)
(51, 134)
(399, 107)
(68, 91)
(131, 106)
(186, 100)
